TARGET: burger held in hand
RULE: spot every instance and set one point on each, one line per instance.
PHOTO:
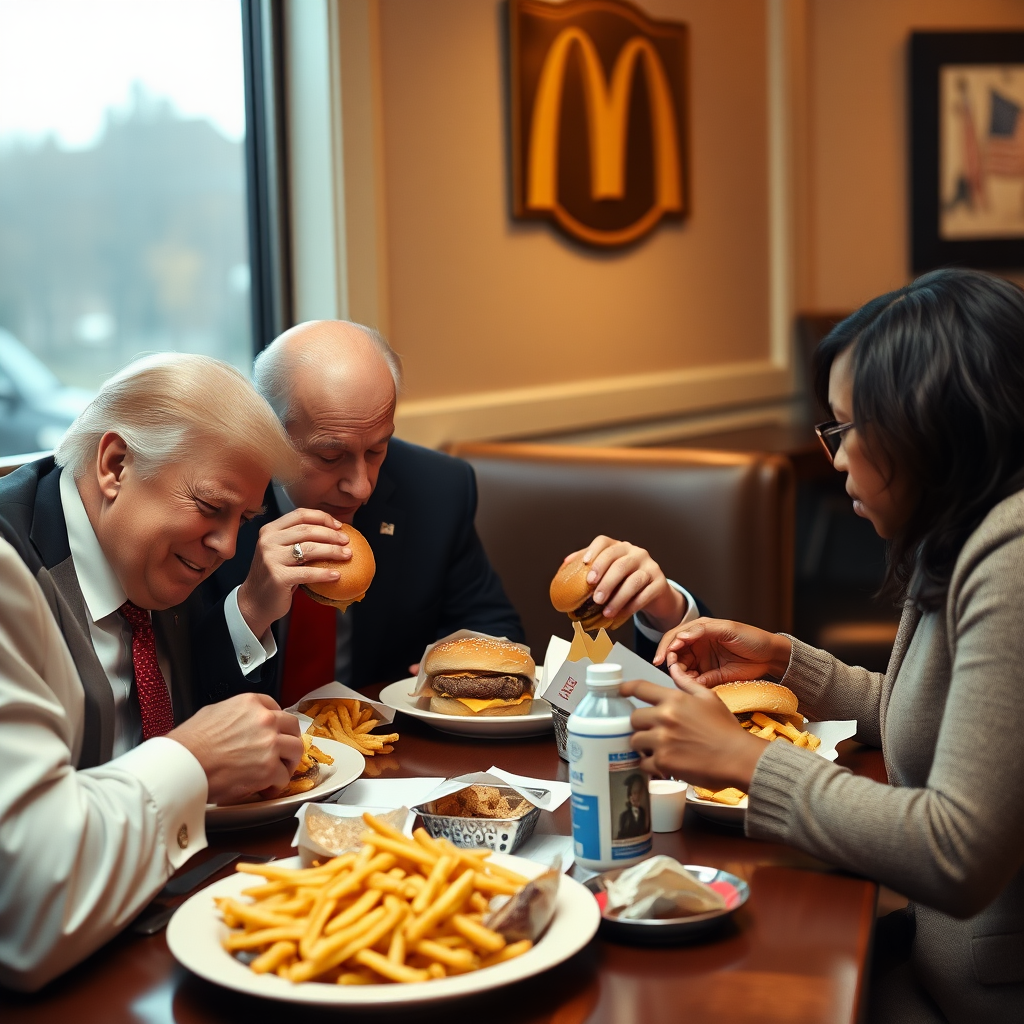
(479, 676)
(571, 593)
(356, 574)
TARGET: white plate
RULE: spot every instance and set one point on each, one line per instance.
(348, 766)
(399, 697)
(713, 811)
(196, 931)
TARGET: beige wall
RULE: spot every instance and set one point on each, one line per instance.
(479, 301)
(799, 201)
(856, 243)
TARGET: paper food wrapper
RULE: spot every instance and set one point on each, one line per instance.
(421, 679)
(831, 734)
(327, 830)
(528, 914)
(542, 793)
(565, 667)
(658, 889)
(381, 711)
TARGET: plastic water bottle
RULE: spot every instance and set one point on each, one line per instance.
(611, 808)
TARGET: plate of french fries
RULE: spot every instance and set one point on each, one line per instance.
(730, 805)
(338, 765)
(399, 921)
(347, 721)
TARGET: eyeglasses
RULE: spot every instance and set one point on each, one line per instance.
(830, 434)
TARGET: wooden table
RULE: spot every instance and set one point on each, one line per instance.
(797, 951)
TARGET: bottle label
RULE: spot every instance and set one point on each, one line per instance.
(586, 826)
(630, 806)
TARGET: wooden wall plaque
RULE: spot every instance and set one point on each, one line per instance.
(599, 118)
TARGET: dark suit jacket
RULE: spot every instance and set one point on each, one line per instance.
(32, 521)
(630, 827)
(433, 576)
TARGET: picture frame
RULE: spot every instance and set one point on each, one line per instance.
(967, 149)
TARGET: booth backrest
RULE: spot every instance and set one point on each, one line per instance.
(720, 523)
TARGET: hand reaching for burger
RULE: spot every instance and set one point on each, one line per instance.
(266, 594)
(714, 651)
(690, 734)
(622, 579)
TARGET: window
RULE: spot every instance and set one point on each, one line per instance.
(122, 198)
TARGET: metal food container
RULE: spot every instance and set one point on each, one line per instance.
(560, 719)
(503, 835)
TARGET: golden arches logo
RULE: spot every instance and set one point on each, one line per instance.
(607, 100)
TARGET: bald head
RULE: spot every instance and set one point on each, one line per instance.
(334, 385)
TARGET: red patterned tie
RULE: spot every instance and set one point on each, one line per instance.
(309, 652)
(154, 700)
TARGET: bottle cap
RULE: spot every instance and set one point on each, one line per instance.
(606, 675)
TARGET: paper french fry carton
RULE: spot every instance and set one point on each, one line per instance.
(565, 667)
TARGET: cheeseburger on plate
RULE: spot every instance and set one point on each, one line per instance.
(356, 574)
(479, 676)
(571, 593)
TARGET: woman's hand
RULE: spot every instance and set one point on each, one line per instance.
(628, 580)
(713, 651)
(690, 734)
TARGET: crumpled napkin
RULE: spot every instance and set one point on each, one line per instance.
(657, 889)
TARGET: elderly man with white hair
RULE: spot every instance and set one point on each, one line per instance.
(104, 776)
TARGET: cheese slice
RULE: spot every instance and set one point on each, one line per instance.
(476, 706)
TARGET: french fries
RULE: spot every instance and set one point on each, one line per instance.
(400, 910)
(767, 728)
(770, 729)
(347, 721)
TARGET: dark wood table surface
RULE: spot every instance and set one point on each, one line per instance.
(796, 952)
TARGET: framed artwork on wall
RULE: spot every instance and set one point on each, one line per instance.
(967, 149)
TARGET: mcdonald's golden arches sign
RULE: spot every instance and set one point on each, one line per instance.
(598, 118)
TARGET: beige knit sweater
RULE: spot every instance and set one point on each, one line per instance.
(948, 831)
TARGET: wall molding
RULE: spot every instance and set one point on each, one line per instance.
(577, 405)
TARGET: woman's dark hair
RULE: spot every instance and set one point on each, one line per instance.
(938, 395)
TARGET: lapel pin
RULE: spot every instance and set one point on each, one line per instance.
(388, 529)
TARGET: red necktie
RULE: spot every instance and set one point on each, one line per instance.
(154, 700)
(309, 653)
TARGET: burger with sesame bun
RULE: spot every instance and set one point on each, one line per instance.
(571, 593)
(479, 677)
(749, 696)
(356, 574)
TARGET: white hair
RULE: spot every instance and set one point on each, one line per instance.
(272, 370)
(167, 407)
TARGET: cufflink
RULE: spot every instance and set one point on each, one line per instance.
(245, 656)
(183, 837)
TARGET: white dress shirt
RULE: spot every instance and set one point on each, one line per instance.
(81, 852)
(110, 632)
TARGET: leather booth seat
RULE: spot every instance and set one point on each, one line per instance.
(720, 523)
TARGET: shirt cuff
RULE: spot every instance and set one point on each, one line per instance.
(250, 652)
(655, 635)
(177, 784)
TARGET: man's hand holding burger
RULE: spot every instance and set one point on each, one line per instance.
(622, 579)
(266, 594)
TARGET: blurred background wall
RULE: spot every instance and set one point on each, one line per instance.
(798, 175)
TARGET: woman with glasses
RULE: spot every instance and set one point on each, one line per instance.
(926, 388)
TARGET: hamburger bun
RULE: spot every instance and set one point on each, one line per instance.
(356, 574)
(571, 593)
(750, 695)
(480, 676)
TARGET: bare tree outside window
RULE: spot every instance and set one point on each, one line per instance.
(122, 198)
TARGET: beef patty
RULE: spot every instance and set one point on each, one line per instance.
(480, 687)
(588, 608)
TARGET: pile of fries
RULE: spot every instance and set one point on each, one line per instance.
(767, 728)
(399, 910)
(347, 721)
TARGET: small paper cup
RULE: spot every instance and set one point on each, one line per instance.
(668, 804)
